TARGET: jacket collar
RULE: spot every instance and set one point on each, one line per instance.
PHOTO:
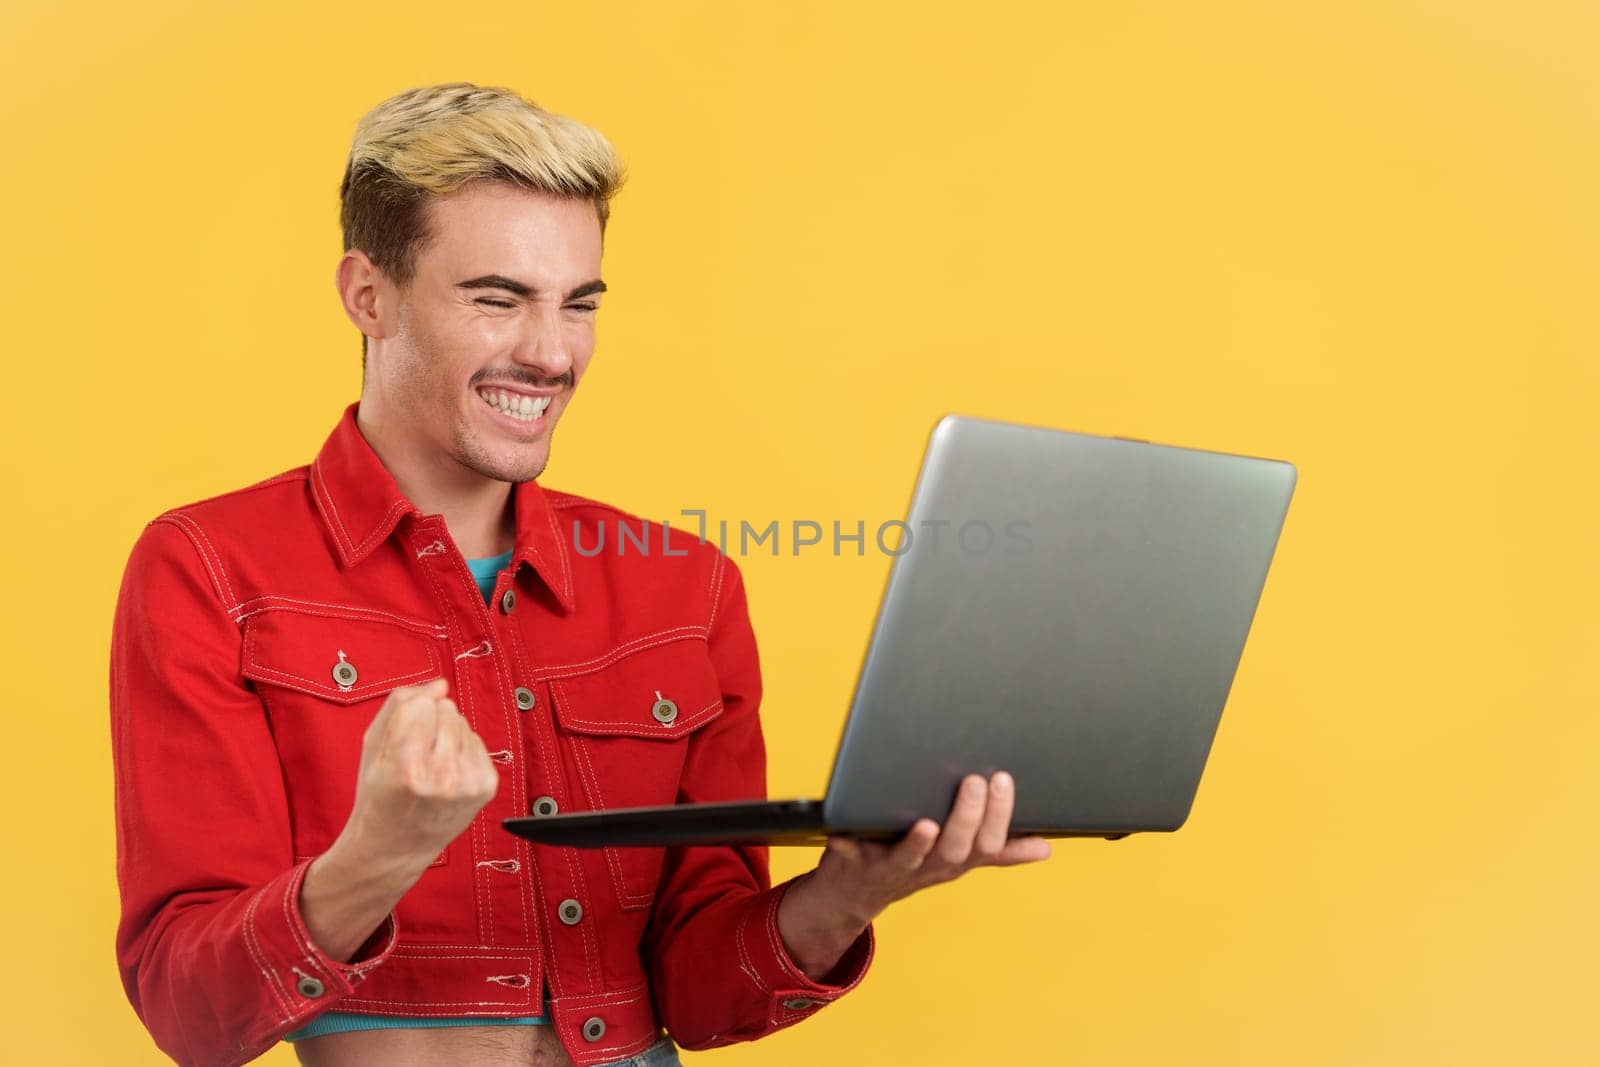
(361, 505)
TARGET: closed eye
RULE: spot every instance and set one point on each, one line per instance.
(505, 304)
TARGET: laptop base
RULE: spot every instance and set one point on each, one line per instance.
(738, 822)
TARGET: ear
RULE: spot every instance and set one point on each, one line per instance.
(366, 293)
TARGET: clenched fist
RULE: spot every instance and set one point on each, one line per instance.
(424, 774)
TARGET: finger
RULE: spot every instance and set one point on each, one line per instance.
(487, 774)
(955, 842)
(471, 744)
(404, 701)
(846, 848)
(415, 724)
(432, 689)
(381, 722)
(996, 818)
(1023, 850)
(449, 739)
(913, 849)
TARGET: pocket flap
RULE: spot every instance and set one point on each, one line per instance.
(663, 692)
(338, 658)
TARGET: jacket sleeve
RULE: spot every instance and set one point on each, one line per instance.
(211, 944)
(718, 968)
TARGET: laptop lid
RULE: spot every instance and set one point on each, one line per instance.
(1069, 608)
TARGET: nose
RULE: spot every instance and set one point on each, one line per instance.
(543, 347)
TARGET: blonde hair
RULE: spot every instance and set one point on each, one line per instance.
(430, 141)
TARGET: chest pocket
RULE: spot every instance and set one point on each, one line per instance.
(323, 675)
(627, 728)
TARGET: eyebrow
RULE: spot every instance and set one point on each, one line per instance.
(500, 281)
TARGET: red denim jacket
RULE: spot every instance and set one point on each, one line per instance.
(256, 635)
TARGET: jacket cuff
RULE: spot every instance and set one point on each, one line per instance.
(791, 995)
(305, 979)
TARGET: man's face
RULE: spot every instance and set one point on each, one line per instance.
(494, 331)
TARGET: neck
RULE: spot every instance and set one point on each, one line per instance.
(476, 510)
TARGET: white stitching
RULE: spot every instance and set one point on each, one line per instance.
(546, 741)
(244, 609)
(747, 964)
(679, 728)
(485, 924)
(319, 485)
(383, 685)
(366, 966)
(217, 585)
(598, 1000)
(528, 889)
(430, 956)
(771, 921)
(221, 570)
(275, 984)
(629, 901)
(511, 725)
(252, 668)
(512, 981)
(561, 552)
(506, 1003)
(382, 529)
(426, 952)
(717, 567)
(579, 887)
(515, 731)
(579, 884)
(533, 550)
(627, 648)
(303, 939)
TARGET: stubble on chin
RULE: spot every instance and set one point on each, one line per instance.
(470, 453)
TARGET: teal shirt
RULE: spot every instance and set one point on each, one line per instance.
(484, 572)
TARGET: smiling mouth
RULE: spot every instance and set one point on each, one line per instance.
(518, 406)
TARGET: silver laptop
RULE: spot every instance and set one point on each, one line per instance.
(1066, 607)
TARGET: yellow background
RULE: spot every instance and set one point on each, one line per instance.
(1362, 237)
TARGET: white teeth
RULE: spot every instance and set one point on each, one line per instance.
(526, 408)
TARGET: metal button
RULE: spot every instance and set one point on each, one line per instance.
(344, 673)
(508, 601)
(525, 698)
(663, 709)
(800, 1003)
(571, 912)
(594, 1028)
(309, 987)
(545, 806)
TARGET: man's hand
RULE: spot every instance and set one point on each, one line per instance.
(424, 774)
(856, 880)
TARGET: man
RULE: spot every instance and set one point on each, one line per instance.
(329, 688)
